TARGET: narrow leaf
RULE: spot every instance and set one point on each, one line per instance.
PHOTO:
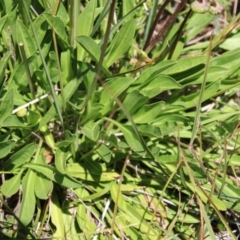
(85, 23)
(6, 106)
(56, 216)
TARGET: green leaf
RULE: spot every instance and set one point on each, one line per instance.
(93, 50)
(86, 20)
(2, 22)
(150, 131)
(28, 198)
(6, 106)
(131, 138)
(117, 196)
(185, 64)
(41, 25)
(116, 86)
(58, 27)
(134, 100)
(153, 71)
(60, 160)
(99, 193)
(19, 158)
(12, 185)
(127, 6)
(20, 75)
(69, 90)
(218, 203)
(3, 64)
(91, 130)
(56, 216)
(148, 113)
(6, 147)
(91, 172)
(14, 122)
(192, 99)
(52, 174)
(44, 186)
(121, 42)
(228, 190)
(159, 84)
(105, 153)
(23, 36)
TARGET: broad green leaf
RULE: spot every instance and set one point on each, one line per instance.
(159, 84)
(134, 100)
(93, 113)
(28, 202)
(121, 42)
(116, 86)
(214, 73)
(234, 160)
(91, 130)
(56, 216)
(67, 142)
(43, 186)
(130, 136)
(230, 43)
(227, 60)
(153, 71)
(192, 99)
(150, 131)
(85, 24)
(6, 147)
(52, 174)
(20, 157)
(185, 64)
(148, 113)
(6, 106)
(60, 160)
(58, 27)
(93, 50)
(104, 153)
(128, 6)
(12, 185)
(23, 36)
(14, 122)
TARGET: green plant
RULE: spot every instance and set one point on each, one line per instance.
(108, 131)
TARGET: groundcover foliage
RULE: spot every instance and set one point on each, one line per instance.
(119, 119)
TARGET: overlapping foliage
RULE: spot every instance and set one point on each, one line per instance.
(109, 132)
